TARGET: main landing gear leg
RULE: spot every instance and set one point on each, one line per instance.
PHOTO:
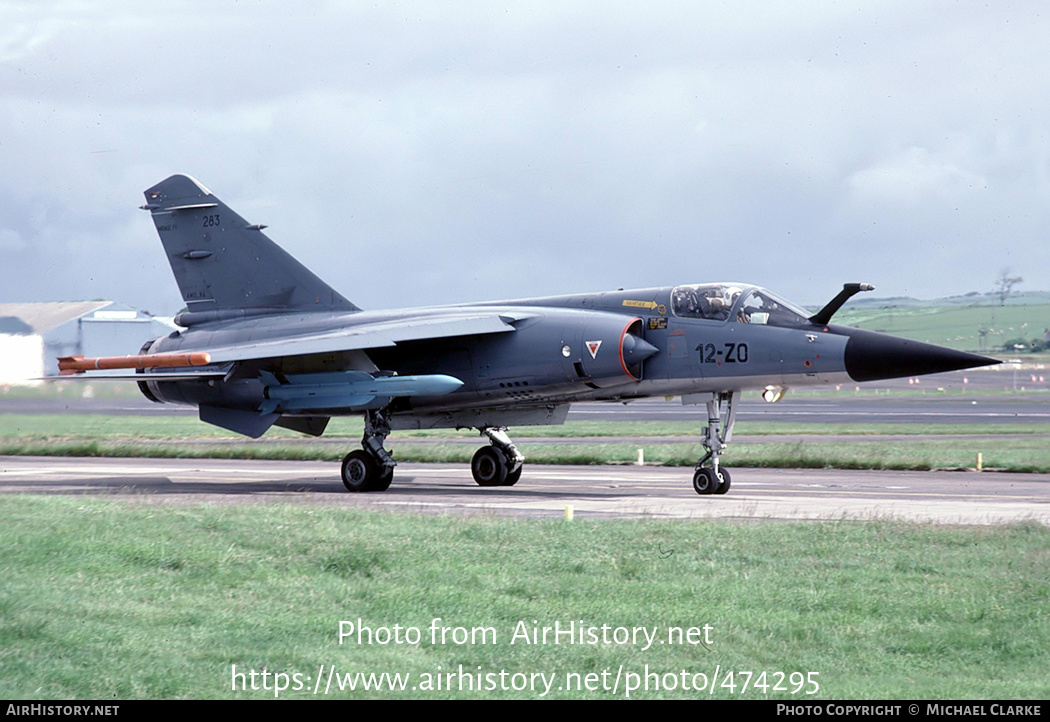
(370, 468)
(499, 464)
(714, 479)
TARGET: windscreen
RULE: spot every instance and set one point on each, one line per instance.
(734, 302)
(711, 301)
(762, 307)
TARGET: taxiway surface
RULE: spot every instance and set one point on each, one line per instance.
(545, 491)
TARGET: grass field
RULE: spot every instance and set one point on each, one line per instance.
(122, 599)
(981, 326)
(129, 598)
(1007, 446)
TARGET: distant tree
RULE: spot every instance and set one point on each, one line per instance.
(1004, 285)
(1024, 344)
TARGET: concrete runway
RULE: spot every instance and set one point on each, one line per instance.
(544, 491)
(611, 491)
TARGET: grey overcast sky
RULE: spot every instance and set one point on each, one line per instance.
(417, 153)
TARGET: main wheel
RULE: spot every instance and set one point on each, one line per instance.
(383, 479)
(724, 486)
(513, 476)
(705, 481)
(360, 473)
(489, 467)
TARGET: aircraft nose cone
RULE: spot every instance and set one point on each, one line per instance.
(870, 356)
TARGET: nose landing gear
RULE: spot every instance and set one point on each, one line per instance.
(709, 481)
(713, 478)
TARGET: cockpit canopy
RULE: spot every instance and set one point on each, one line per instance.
(736, 302)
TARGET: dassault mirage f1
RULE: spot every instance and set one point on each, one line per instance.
(265, 342)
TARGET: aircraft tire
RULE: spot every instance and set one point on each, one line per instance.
(360, 473)
(489, 467)
(705, 481)
(383, 479)
(513, 476)
(723, 487)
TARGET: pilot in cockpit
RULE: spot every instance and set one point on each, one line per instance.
(712, 302)
(713, 305)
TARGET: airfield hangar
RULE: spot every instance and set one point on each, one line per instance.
(34, 335)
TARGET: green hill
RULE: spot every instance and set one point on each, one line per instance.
(975, 322)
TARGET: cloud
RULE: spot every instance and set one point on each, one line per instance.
(915, 176)
(531, 148)
(11, 241)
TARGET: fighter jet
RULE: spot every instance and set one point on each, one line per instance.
(263, 342)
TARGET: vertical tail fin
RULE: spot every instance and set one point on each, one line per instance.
(221, 262)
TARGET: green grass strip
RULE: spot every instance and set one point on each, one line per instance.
(1006, 453)
(121, 599)
(107, 427)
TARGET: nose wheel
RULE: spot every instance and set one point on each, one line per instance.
(709, 481)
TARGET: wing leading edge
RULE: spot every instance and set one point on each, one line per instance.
(358, 337)
(362, 337)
